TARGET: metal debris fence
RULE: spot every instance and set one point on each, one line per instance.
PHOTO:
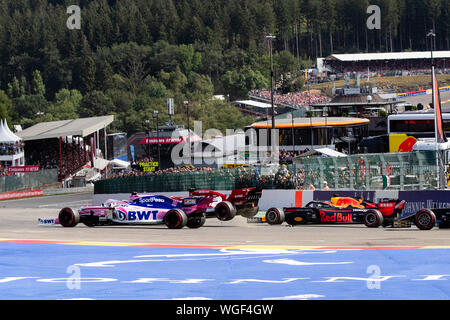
(29, 180)
(387, 171)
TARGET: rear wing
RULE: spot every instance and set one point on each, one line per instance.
(238, 196)
(204, 193)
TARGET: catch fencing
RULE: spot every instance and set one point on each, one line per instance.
(29, 180)
(386, 171)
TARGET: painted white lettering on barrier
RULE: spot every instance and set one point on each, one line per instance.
(152, 280)
(302, 263)
(342, 279)
(372, 279)
(202, 256)
(285, 280)
(10, 279)
(81, 280)
(306, 296)
(192, 298)
(433, 277)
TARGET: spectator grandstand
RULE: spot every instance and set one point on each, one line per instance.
(292, 99)
(11, 148)
(68, 145)
(72, 156)
(389, 64)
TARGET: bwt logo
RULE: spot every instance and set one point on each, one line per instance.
(142, 215)
(374, 20)
(120, 215)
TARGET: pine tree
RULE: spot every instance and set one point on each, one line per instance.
(37, 84)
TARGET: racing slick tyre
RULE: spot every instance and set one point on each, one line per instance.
(68, 218)
(248, 212)
(373, 218)
(425, 219)
(275, 216)
(175, 219)
(195, 222)
(225, 211)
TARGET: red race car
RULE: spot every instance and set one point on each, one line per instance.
(242, 202)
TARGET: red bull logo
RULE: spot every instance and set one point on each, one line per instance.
(335, 217)
(344, 202)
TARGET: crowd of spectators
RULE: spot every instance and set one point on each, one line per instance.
(349, 176)
(240, 177)
(360, 173)
(389, 68)
(136, 171)
(293, 99)
(287, 156)
(7, 149)
(49, 157)
(3, 169)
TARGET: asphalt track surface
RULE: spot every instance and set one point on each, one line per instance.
(221, 260)
(19, 220)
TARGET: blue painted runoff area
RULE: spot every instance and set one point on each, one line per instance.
(62, 271)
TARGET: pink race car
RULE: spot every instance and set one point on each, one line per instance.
(174, 212)
(140, 209)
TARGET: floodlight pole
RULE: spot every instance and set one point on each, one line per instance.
(147, 122)
(431, 34)
(60, 161)
(187, 106)
(293, 131)
(271, 37)
(155, 114)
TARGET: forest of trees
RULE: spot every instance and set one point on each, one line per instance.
(131, 55)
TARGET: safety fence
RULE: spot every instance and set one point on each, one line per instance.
(225, 179)
(386, 171)
(29, 180)
(392, 171)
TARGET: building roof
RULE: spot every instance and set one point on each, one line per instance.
(254, 103)
(323, 151)
(390, 56)
(63, 128)
(311, 122)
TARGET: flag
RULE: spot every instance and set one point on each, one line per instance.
(439, 123)
(132, 152)
(106, 143)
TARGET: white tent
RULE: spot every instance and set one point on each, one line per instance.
(100, 163)
(17, 157)
(324, 152)
(6, 135)
(117, 163)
